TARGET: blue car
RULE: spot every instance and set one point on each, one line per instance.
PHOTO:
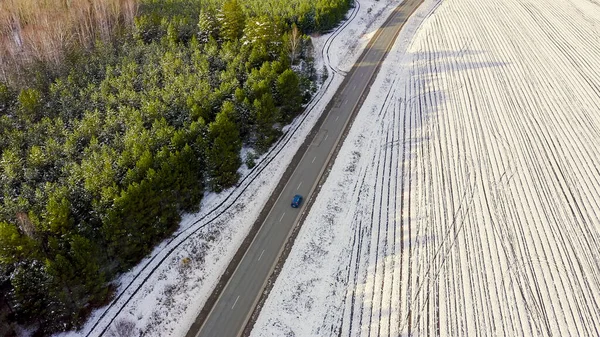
(296, 201)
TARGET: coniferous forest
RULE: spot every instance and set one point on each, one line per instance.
(116, 116)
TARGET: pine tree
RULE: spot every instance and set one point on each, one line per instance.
(232, 20)
(242, 116)
(58, 220)
(84, 257)
(30, 285)
(6, 98)
(263, 32)
(289, 95)
(14, 246)
(266, 116)
(30, 104)
(208, 26)
(307, 20)
(223, 157)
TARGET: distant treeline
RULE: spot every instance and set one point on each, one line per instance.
(103, 151)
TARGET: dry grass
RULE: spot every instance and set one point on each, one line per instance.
(43, 30)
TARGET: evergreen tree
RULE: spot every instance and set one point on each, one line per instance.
(57, 217)
(266, 116)
(232, 20)
(223, 157)
(307, 20)
(30, 297)
(289, 95)
(14, 246)
(242, 116)
(30, 104)
(263, 33)
(208, 26)
(139, 217)
(6, 98)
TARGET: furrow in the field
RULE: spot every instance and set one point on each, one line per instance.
(574, 179)
(457, 184)
(453, 169)
(367, 282)
(418, 200)
(436, 240)
(392, 197)
(573, 124)
(390, 295)
(471, 230)
(396, 200)
(470, 145)
(421, 254)
(381, 316)
(488, 172)
(412, 196)
(496, 171)
(565, 35)
(534, 209)
(390, 252)
(382, 222)
(403, 213)
(428, 237)
(374, 266)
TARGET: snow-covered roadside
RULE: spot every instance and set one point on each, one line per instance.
(163, 294)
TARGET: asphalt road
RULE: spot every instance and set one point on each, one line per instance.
(234, 306)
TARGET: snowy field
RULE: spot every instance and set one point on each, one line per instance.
(466, 199)
(163, 295)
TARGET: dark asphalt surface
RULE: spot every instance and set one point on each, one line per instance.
(234, 306)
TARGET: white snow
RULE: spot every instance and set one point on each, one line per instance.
(465, 199)
(164, 293)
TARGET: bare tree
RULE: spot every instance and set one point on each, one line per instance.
(294, 43)
(25, 224)
(33, 30)
(130, 10)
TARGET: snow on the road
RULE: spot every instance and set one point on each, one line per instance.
(466, 199)
(163, 294)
